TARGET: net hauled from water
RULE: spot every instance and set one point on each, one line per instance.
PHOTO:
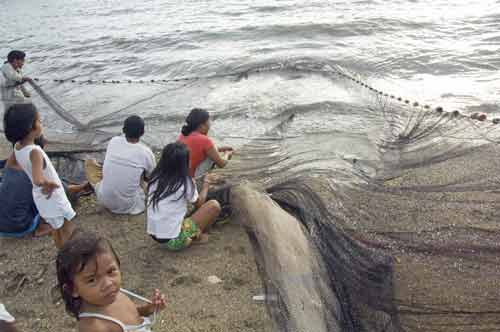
(413, 247)
(408, 241)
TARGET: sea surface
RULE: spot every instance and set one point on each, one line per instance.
(265, 69)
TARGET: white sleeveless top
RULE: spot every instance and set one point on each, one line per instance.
(5, 316)
(57, 205)
(144, 327)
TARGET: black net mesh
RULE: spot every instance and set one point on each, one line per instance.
(400, 235)
(409, 243)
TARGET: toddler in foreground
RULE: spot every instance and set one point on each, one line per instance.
(89, 278)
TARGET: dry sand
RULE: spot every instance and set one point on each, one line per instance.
(27, 277)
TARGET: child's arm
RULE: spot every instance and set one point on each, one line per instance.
(150, 166)
(158, 303)
(37, 169)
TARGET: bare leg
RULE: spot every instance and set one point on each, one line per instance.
(63, 234)
(205, 216)
(43, 229)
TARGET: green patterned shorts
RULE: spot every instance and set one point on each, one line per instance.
(189, 230)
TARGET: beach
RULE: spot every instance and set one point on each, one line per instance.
(28, 277)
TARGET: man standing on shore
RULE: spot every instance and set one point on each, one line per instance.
(11, 80)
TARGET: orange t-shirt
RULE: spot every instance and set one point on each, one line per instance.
(198, 145)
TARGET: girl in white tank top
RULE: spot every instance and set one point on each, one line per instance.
(145, 326)
(23, 127)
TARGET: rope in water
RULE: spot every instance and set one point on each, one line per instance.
(245, 74)
(439, 109)
(157, 81)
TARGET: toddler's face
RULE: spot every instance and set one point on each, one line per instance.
(100, 281)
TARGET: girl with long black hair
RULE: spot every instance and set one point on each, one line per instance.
(170, 189)
(204, 154)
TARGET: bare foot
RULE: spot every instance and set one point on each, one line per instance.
(43, 229)
(81, 189)
(201, 239)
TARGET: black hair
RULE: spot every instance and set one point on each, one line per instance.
(133, 127)
(18, 121)
(171, 173)
(41, 141)
(72, 259)
(15, 55)
(196, 118)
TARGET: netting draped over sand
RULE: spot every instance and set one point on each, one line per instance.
(415, 247)
(407, 241)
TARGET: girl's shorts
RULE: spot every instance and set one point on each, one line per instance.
(58, 222)
(189, 230)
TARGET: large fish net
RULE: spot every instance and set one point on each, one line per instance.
(407, 240)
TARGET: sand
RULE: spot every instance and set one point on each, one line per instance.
(27, 277)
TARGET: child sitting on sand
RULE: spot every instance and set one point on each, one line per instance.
(169, 192)
(127, 163)
(89, 278)
(22, 127)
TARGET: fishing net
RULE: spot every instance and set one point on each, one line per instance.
(390, 224)
(413, 252)
(409, 243)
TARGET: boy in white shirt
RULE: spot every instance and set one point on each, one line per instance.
(127, 163)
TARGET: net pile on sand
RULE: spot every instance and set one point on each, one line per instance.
(416, 247)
